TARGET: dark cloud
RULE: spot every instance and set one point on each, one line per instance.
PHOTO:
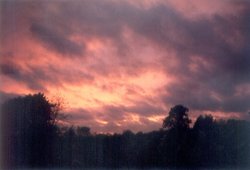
(193, 95)
(11, 70)
(145, 109)
(38, 78)
(53, 40)
(79, 114)
(236, 104)
(226, 63)
(119, 112)
(16, 72)
(207, 37)
(14, 14)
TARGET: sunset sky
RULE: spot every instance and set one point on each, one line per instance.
(122, 64)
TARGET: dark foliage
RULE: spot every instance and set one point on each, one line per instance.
(28, 131)
(177, 118)
(31, 139)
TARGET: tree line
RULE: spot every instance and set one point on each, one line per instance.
(30, 137)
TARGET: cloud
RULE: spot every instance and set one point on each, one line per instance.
(107, 47)
(220, 67)
(51, 39)
(10, 70)
(119, 117)
(79, 114)
(15, 72)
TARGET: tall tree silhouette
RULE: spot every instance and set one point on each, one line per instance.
(177, 118)
(174, 144)
(204, 122)
(28, 124)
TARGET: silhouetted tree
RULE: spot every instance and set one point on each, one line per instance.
(69, 144)
(83, 131)
(174, 144)
(177, 118)
(204, 122)
(28, 124)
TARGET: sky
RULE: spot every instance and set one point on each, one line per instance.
(119, 65)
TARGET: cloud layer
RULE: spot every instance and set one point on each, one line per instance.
(122, 65)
